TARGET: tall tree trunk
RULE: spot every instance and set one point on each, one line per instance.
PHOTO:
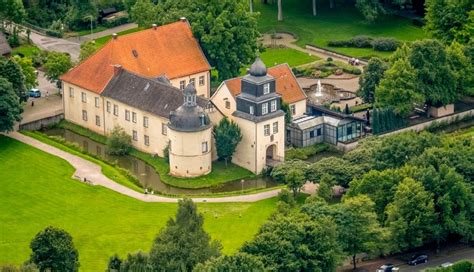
(354, 262)
(331, 3)
(280, 12)
(251, 6)
(314, 7)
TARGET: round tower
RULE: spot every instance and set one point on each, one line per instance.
(190, 133)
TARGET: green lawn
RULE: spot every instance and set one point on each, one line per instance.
(102, 40)
(88, 31)
(26, 50)
(37, 191)
(275, 56)
(336, 24)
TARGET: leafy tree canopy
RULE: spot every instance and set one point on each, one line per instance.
(53, 249)
(227, 135)
(56, 65)
(87, 49)
(341, 170)
(11, 71)
(237, 262)
(28, 71)
(10, 106)
(371, 77)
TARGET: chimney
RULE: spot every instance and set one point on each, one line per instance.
(117, 69)
(154, 26)
(114, 36)
(183, 19)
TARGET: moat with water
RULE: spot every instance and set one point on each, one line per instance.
(147, 175)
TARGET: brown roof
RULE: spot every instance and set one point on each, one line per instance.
(169, 50)
(285, 81)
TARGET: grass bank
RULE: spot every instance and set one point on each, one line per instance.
(220, 172)
(340, 23)
(102, 40)
(37, 191)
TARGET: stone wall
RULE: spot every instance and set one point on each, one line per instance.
(38, 124)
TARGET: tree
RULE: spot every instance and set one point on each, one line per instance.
(12, 72)
(143, 13)
(137, 262)
(295, 180)
(380, 186)
(237, 262)
(325, 187)
(280, 11)
(12, 10)
(53, 249)
(119, 142)
(87, 49)
(10, 106)
(358, 228)
(370, 9)
(398, 89)
(342, 171)
(286, 108)
(294, 242)
(410, 216)
(28, 71)
(371, 77)
(183, 243)
(56, 65)
(227, 135)
(226, 30)
(435, 80)
(448, 20)
(114, 264)
(462, 68)
(81, 13)
(280, 171)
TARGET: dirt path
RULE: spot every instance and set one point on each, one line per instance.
(93, 174)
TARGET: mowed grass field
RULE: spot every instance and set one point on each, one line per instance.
(37, 191)
(340, 23)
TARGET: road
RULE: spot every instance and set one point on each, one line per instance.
(464, 254)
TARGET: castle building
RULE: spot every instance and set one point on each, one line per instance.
(190, 134)
(260, 119)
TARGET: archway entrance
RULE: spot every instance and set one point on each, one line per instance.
(271, 155)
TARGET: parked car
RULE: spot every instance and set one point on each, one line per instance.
(386, 268)
(418, 259)
(34, 93)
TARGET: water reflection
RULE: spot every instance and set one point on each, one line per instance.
(147, 175)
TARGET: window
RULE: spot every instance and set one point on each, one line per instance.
(145, 121)
(108, 106)
(318, 132)
(311, 134)
(71, 92)
(97, 102)
(251, 110)
(201, 81)
(134, 135)
(273, 105)
(127, 115)
(227, 104)
(264, 108)
(147, 140)
(293, 109)
(83, 97)
(275, 127)
(84, 115)
(164, 130)
(204, 147)
(97, 120)
(192, 81)
(115, 110)
(182, 84)
(266, 130)
(266, 88)
(134, 117)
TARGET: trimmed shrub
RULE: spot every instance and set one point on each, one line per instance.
(119, 142)
(54, 33)
(329, 59)
(339, 43)
(385, 44)
(352, 70)
(361, 41)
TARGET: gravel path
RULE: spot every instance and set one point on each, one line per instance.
(93, 174)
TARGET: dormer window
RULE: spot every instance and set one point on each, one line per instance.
(264, 108)
(251, 110)
(266, 88)
(273, 105)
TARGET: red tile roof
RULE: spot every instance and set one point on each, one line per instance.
(285, 81)
(169, 50)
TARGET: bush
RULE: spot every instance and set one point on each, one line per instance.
(14, 40)
(329, 59)
(304, 152)
(361, 41)
(385, 44)
(119, 142)
(461, 266)
(39, 58)
(54, 33)
(352, 70)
